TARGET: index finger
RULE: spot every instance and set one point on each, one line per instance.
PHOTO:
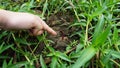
(48, 29)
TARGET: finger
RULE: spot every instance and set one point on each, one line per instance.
(47, 28)
(40, 32)
(35, 32)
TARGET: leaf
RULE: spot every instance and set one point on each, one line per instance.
(108, 53)
(62, 56)
(4, 64)
(10, 62)
(22, 41)
(3, 34)
(78, 24)
(115, 35)
(105, 59)
(42, 62)
(4, 57)
(116, 11)
(79, 47)
(115, 54)
(54, 62)
(45, 7)
(18, 64)
(102, 38)
(98, 28)
(30, 4)
(63, 65)
(3, 48)
(99, 11)
(78, 51)
(76, 55)
(86, 55)
(51, 49)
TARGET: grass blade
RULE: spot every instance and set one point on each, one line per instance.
(115, 35)
(4, 64)
(19, 64)
(99, 11)
(3, 48)
(45, 8)
(42, 62)
(54, 62)
(86, 55)
(62, 56)
(98, 28)
(3, 34)
(102, 38)
(115, 54)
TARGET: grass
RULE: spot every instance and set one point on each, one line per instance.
(96, 26)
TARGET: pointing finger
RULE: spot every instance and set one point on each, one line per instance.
(47, 28)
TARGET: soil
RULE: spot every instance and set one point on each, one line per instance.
(60, 23)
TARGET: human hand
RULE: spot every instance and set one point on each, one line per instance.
(21, 21)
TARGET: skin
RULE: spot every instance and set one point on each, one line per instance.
(23, 21)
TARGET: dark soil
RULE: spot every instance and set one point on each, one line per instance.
(60, 23)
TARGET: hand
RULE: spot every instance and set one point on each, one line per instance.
(20, 21)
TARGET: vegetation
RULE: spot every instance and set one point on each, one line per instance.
(94, 42)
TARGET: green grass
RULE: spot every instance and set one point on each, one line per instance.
(97, 24)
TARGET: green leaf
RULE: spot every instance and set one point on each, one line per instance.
(30, 4)
(10, 62)
(98, 28)
(115, 54)
(78, 24)
(62, 56)
(99, 11)
(3, 34)
(102, 37)
(18, 64)
(51, 49)
(86, 55)
(76, 55)
(54, 62)
(45, 7)
(105, 58)
(115, 35)
(22, 40)
(4, 64)
(42, 62)
(108, 53)
(116, 11)
(3, 48)
(79, 47)
(4, 57)
(78, 51)
(63, 65)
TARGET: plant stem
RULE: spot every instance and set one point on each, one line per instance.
(115, 62)
(86, 33)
